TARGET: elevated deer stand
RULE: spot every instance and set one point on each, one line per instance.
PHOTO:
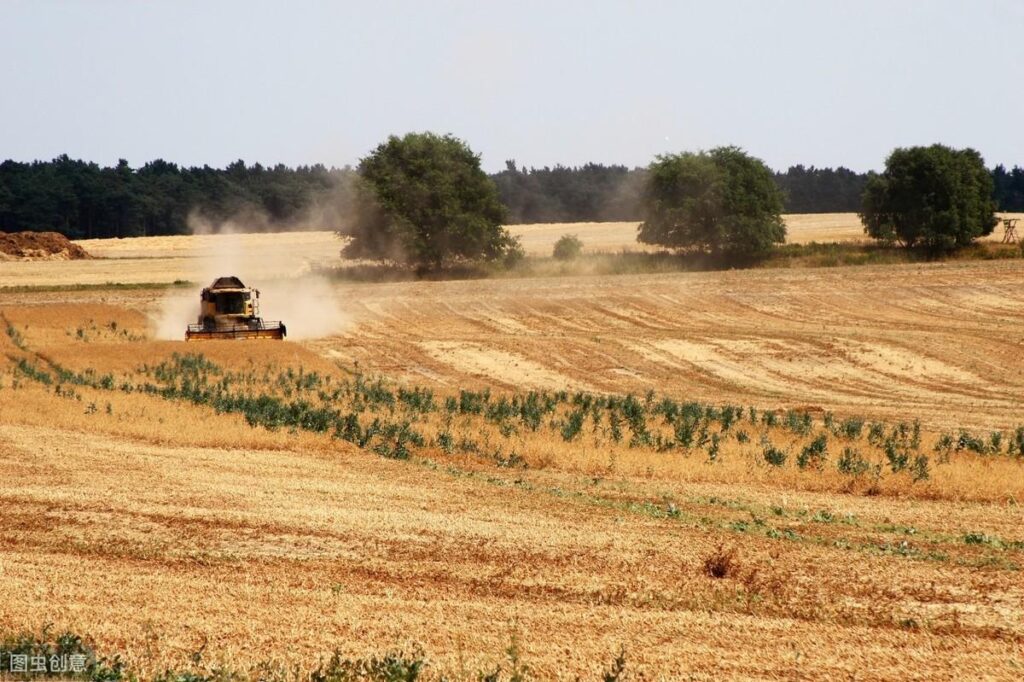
(1010, 230)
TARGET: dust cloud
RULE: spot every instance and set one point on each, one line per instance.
(290, 289)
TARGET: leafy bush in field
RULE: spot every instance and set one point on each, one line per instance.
(472, 402)
(573, 425)
(568, 247)
(31, 371)
(798, 422)
(684, 432)
(814, 453)
(729, 416)
(12, 332)
(851, 463)
(1017, 444)
(394, 439)
(920, 468)
(419, 400)
(772, 454)
(851, 429)
(944, 447)
(970, 442)
(713, 448)
(636, 416)
(897, 451)
(876, 433)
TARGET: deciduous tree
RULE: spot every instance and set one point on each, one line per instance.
(934, 197)
(723, 201)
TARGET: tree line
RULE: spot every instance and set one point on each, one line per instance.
(85, 200)
(422, 201)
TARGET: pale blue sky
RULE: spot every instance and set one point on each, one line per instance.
(823, 83)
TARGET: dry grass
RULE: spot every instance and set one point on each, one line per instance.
(161, 526)
(147, 260)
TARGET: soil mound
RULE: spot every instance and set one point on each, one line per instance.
(39, 246)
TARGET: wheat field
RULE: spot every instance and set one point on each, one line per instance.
(147, 501)
(162, 260)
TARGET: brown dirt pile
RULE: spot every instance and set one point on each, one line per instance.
(39, 246)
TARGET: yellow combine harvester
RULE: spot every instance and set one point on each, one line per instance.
(231, 310)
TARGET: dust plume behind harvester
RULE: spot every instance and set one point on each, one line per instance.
(231, 310)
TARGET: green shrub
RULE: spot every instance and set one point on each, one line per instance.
(418, 399)
(615, 425)
(471, 402)
(713, 448)
(968, 441)
(977, 539)
(684, 432)
(920, 469)
(898, 456)
(995, 442)
(814, 453)
(851, 463)
(568, 247)
(876, 433)
(772, 454)
(1017, 444)
(944, 446)
(636, 416)
(851, 428)
(573, 425)
(445, 441)
(729, 416)
(30, 371)
(798, 422)
(16, 338)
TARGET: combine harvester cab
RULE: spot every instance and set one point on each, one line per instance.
(231, 310)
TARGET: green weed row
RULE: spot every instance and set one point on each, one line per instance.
(397, 421)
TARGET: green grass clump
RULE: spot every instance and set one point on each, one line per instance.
(48, 655)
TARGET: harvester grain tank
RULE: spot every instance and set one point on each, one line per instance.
(230, 310)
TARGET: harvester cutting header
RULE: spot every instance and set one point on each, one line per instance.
(231, 310)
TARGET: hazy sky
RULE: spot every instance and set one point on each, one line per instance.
(822, 83)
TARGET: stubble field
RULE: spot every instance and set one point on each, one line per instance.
(575, 464)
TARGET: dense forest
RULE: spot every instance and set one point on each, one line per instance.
(83, 200)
